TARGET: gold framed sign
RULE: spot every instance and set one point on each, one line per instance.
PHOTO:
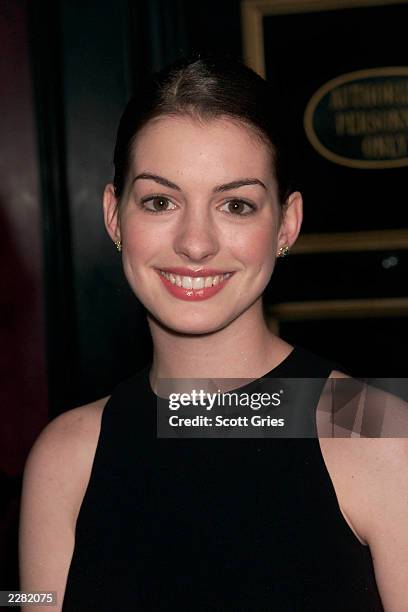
(344, 66)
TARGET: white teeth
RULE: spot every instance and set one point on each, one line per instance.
(198, 282)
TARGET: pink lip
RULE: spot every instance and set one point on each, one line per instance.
(195, 273)
(192, 295)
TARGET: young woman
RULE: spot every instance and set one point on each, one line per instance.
(114, 518)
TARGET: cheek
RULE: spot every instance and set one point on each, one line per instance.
(139, 244)
(257, 247)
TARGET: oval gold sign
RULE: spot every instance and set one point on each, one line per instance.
(360, 119)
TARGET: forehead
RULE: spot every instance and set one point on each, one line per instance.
(214, 150)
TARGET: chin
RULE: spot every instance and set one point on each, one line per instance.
(192, 326)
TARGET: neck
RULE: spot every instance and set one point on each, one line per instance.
(245, 348)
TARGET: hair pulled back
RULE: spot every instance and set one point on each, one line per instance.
(205, 89)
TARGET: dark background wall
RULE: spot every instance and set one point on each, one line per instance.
(101, 53)
(71, 329)
(23, 380)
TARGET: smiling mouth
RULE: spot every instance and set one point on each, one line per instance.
(194, 282)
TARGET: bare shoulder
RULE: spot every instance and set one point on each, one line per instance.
(65, 448)
(370, 478)
(355, 424)
(55, 478)
(352, 407)
(372, 484)
(338, 374)
(368, 425)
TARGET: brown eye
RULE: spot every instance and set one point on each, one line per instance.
(157, 204)
(239, 207)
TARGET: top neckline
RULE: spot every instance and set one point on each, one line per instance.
(274, 372)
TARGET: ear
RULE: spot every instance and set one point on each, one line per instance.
(110, 212)
(291, 221)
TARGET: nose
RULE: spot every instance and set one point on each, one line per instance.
(196, 238)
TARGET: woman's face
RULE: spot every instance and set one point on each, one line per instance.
(199, 222)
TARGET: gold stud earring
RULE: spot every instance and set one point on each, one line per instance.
(118, 245)
(283, 251)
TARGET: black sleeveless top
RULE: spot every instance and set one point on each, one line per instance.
(213, 524)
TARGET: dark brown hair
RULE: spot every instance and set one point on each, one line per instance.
(207, 88)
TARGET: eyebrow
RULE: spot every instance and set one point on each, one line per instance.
(220, 188)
